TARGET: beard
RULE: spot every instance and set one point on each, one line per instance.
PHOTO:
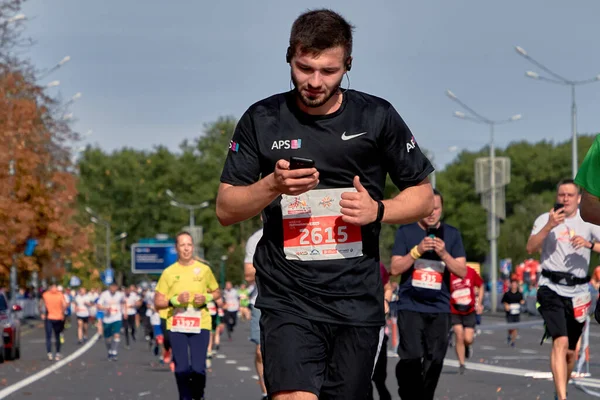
(320, 99)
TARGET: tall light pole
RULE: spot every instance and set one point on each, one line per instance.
(559, 80)
(190, 207)
(98, 221)
(478, 118)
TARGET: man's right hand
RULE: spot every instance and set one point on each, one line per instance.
(556, 218)
(296, 181)
(183, 297)
(426, 244)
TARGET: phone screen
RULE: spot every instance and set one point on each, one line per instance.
(558, 206)
(299, 163)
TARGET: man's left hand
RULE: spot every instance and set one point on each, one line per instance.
(578, 242)
(440, 247)
(358, 208)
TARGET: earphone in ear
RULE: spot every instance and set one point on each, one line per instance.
(349, 64)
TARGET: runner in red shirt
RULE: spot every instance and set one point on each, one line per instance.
(462, 306)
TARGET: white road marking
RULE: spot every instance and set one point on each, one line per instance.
(588, 382)
(533, 357)
(255, 377)
(46, 371)
(527, 351)
(489, 348)
(243, 369)
(230, 362)
(221, 356)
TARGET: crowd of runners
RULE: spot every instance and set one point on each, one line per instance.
(313, 162)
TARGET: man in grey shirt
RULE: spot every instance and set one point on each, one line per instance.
(565, 241)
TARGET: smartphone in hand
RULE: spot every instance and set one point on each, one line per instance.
(432, 232)
(558, 206)
(300, 163)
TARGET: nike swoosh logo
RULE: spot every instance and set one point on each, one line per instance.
(348, 137)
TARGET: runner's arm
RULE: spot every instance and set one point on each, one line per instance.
(249, 273)
(535, 242)
(239, 203)
(216, 294)
(458, 265)
(480, 295)
(401, 264)
(410, 205)
(160, 301)
(590, 207)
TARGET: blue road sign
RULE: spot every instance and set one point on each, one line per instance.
(152, 258)
(30, 247)
(107, 276)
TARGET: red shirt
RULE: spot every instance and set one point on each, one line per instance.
(462, 292)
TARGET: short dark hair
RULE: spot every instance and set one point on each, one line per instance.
(318, 30)
(437, 193)
(183, 233)
(567, 182)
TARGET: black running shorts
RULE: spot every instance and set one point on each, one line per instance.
(423, 335)
(468, 320)
(557, 312)
(335, 362)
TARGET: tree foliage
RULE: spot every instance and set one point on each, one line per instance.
(37, 184)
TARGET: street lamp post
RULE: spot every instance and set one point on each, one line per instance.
(190, 207)
(478, 118)
(98, 221)
(559, 80)
(222, 271)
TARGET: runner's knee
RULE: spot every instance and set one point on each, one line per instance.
(561, 343)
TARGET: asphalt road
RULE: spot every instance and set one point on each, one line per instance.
(138, 375)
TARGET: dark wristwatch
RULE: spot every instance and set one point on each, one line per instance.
(380, 211)
(592, 243)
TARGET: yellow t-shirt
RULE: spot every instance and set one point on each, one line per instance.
(195, 279)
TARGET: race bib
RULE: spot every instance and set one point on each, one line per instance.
(581, 306)
(462, 296)
(313, 228)
(514, 308)
(186, 321)
(428, 274)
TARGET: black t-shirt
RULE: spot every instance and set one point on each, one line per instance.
(513, 298)
(364, 137)
(424, 294)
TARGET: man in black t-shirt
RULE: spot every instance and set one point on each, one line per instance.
(512, 301)
(317, 263)
(425, 253)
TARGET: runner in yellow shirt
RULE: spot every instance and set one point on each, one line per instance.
(185, 288)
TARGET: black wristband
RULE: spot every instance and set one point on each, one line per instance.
(380, 211)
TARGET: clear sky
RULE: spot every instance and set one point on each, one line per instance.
(154, 72)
